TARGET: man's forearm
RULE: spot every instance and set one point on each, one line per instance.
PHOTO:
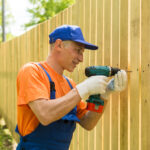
(48, 111)
(65, 104)
(90, 119)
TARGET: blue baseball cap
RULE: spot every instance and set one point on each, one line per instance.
(72, 33)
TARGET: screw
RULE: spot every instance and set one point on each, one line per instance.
(145, 100)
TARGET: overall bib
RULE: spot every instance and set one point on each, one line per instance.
(55, 136)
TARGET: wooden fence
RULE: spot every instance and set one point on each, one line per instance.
(121, 28)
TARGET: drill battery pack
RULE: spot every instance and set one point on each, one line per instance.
(94, 103)
(95, 108)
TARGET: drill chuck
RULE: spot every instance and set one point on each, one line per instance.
(114, 71)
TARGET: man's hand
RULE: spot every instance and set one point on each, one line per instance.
(117, 84)
(93, 85)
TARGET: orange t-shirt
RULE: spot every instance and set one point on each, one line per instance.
(32, 84)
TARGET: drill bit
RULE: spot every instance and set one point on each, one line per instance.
(128, 71)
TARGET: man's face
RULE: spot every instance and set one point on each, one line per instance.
(71, 55)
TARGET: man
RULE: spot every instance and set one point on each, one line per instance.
(49, 104)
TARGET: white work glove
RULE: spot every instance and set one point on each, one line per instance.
(92, 85)
(119, 82)
(116, 84)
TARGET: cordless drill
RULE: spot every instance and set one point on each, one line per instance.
(94, 102)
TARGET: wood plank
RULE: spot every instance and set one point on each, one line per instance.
(32, 44)
(107, 61)
(75, 12)
(100, 32)
(134, 78)
(93, 30)
(123, 144)
(145, 74)
(115, 63)
(59, 19)
(14, 92)
(8, 85)
(43, 41)
(4, 79)
(65, 16)
(28, 52)
(23, 49)
(11, 109)
(15, 68)
(1, 81)
(36, 43)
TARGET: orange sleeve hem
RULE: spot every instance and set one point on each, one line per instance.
(30, 99)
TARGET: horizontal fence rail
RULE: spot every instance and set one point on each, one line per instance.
(121, 29)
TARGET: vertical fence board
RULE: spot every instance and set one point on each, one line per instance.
(3, 79)
(1, 70)
(115, 63)
(123, 65)
(13, 95)
(100, 31)
(145, 74)
(28, 46)
(32, 45)
(15, 55)
(43, 41)
(10, 88)
(37, 43)
(134, 78)
(107, 57)
(93, 30)
(5, 82)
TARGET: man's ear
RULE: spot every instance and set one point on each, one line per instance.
(58, 44)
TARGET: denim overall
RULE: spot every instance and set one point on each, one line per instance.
(55, 136)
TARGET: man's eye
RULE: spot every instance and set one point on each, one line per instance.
(78, 50)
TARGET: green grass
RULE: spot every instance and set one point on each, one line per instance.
(6, 140)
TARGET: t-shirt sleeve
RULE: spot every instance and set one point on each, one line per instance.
(31, 85)
(81, 106)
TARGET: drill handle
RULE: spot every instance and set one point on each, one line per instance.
(95, 103)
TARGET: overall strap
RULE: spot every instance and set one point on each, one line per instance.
(52, 85)
(72, 114)
(68, 82)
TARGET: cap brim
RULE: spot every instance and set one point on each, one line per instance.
(87, 45)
